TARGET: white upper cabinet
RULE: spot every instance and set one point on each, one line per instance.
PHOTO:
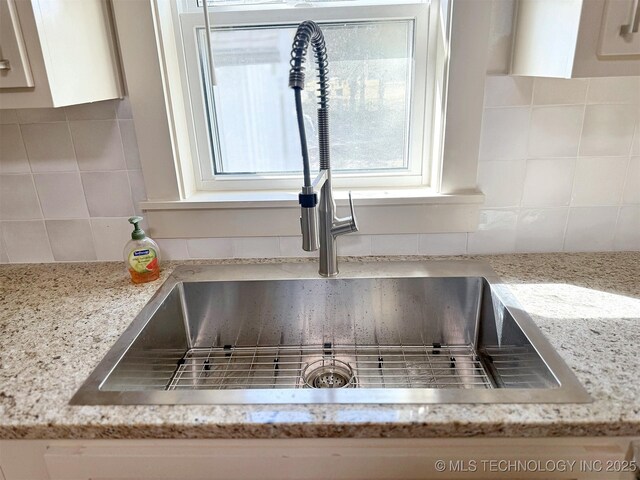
(15, 71)
(55, 53)
(576, 38)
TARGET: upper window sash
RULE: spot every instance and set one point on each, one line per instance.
(278, 14)
(216, 6)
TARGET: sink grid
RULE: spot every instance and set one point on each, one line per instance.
(374, 366)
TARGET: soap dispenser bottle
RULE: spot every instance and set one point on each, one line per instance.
(141, 255)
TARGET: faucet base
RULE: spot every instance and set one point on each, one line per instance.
(328, 275)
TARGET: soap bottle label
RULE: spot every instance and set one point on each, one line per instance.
(144, 261)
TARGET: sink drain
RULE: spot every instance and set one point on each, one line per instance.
(328, 373)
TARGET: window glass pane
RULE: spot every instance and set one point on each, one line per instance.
(255, 128)
(293, 3)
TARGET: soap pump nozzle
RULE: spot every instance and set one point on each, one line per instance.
(138, 233)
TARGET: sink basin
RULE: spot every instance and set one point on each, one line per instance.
(405, 332)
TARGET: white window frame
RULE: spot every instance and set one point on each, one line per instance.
(175, 209)
(421, 97)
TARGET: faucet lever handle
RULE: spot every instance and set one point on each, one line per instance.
(342, 226)
(354, 222)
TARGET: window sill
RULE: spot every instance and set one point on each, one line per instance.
(209, 214)
(282, 199)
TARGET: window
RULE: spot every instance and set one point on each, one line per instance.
(159, 45)
(245, 127)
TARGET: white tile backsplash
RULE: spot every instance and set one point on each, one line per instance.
(614, 90)
(40, 178)
(627, 236)
(599, 181)
(91, 111)
(108, 193)
(8, 116)
(71, 240)
(98, 145)
(210, 247)
(541, 229)
(496, 232)
(256, 247)
(41, 115)
(631, 193)
(504, 133)
(555, 131)
(591, 229)
(560, 168)
(394, 244)
(129, 144)
(4, 258)
(608, 130)
(138, 193)
(548, 182)
(18, 198)
(581, 168)
(559, 91)
(502, 182)
(110, 236)
(61, 195)
(13, 156)
(635, 148)
(292, 247)
(354, 245)
(26, 242)
(49, 147)
(442, 244)
(173, 249)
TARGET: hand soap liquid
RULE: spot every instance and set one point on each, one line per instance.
(141, 255)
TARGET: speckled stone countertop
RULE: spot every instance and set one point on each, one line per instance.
(58, 320)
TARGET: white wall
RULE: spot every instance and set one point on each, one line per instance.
(559, 164)
(69, 178)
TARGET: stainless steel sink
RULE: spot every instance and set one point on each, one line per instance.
(409, 332)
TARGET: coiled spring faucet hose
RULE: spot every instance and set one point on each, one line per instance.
(309, 32)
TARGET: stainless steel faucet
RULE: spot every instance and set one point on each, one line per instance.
(321, 231)
(320, 225)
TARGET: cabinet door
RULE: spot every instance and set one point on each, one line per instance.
(15, 71)
(620, 33)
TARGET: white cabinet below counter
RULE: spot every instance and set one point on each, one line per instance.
(55, 53)
(578, 458)
(576, 38)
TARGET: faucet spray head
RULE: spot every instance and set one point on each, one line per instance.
(309, 219)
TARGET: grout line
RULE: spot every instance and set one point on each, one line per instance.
(54, 172)
(35, 189)
(636, 133)
(534, 83)
(84, 191)
(551, 105)
(575, 170)
(615, 228)
(24, 146)
(528, 148)
(3, 243)
(133, 203)
(586, 95)
(43, 122)
(46, 232)
(624, 183)
(104, 120)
